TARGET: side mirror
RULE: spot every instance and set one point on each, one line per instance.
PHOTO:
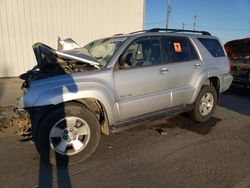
(126, 58)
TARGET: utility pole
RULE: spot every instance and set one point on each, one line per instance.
(195, 22)
(168, 13)
(183, 25)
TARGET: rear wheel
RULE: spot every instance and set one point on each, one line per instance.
(68, 134)
(205, 104)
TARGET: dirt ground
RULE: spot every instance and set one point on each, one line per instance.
(186, 154)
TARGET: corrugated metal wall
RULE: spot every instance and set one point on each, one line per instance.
(24, 22)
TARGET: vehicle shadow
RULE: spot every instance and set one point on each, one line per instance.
(50, 173)
(183, 122)
(236, 98)
(46, 178)
(52, 166)
(60, 164)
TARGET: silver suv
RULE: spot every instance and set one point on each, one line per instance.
(118, 82)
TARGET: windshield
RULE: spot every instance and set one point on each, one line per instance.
(102, 50)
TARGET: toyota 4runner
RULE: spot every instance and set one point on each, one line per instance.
(112, 84)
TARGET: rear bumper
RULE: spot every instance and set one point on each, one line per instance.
(226, 81)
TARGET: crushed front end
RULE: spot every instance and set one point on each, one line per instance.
(50, 63)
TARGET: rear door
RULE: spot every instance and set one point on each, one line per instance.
(142, 86)
(184, 66)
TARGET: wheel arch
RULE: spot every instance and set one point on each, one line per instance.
(215, 82)
(92, 104)
(98, 108)
(206, 80)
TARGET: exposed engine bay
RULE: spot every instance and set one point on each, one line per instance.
(51, 62)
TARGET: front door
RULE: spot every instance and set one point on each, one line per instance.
(142, 80)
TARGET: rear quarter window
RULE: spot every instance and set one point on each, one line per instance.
(179, 49)
(213, 46)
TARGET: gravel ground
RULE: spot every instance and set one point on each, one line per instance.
(212, 154)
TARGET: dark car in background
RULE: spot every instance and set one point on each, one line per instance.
(238, 52)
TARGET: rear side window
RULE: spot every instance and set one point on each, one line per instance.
(179, 49)
(213, 46)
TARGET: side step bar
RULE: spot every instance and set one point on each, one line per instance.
(121, 126)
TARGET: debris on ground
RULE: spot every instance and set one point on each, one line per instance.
(9, 119)
(162, 131)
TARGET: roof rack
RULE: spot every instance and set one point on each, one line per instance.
(178, 30)
(118, 34)
(132, 32)
(139, 31)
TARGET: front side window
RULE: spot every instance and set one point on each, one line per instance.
(213, 46)
(178, 49)
(142, 52)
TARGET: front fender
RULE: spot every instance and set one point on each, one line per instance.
(61, 94)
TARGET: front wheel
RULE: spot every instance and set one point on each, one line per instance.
(205, 104)
(68, 134)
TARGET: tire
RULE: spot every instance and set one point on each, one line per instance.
(205, 104)
(67, 134)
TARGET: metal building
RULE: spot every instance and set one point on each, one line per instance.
(24, 22)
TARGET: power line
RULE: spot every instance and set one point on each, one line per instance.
(220, 28)
(226, 29)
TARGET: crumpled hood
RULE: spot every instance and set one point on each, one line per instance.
(43, 52)
(78, 54)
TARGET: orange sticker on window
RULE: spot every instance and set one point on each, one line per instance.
(177, 47)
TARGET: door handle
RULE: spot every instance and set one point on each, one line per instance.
(197, 65)
(164, 70)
